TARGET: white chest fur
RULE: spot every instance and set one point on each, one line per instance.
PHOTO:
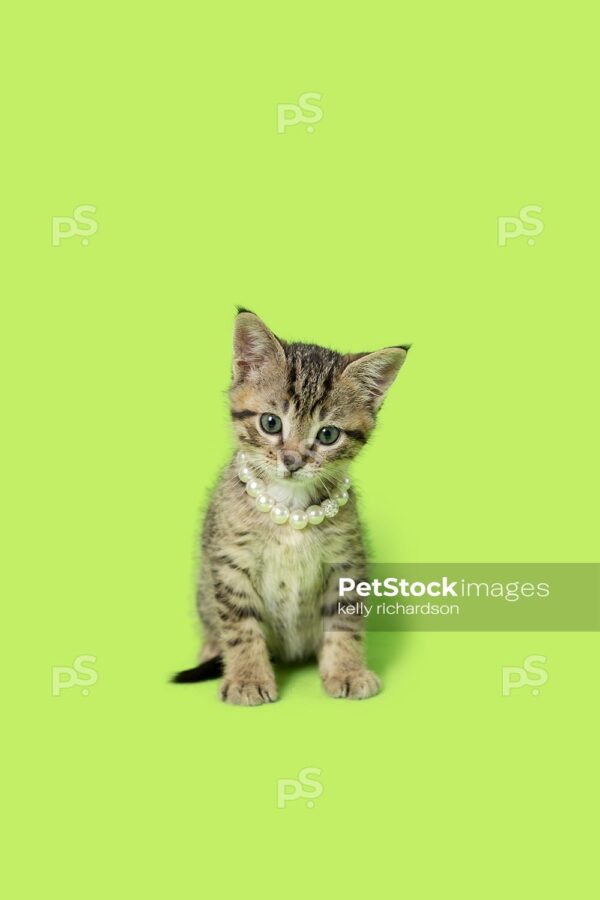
(291, 584)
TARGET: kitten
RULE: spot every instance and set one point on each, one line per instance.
(268, 582)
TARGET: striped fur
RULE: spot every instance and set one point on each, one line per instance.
(267, 591)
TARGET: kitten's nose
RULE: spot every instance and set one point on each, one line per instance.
(293, 461)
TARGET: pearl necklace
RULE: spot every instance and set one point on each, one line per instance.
(279, 513)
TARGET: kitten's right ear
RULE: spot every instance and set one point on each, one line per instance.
(253, 345)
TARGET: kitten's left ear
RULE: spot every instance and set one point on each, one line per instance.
(375, 372)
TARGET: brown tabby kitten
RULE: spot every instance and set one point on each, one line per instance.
(300, 413)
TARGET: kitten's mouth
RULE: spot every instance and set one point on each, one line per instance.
(284, 475)
(299, 475)
(302, 475)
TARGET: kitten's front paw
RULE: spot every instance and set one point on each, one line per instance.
(248, 693)
(358, 685)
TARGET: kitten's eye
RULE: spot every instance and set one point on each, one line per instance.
(328, 435)
(270, 423)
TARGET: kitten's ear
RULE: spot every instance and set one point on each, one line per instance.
(253, 345)
(375, 372)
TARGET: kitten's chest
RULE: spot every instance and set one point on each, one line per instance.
(291, 586)
(291, 562)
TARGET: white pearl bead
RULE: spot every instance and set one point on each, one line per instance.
(315, 515)
(347, 483)
(242, 457)
(298, 519)
(280, 514)
(264, 503)
(330, 508)
(254, 487)
(340, 496)
(245, 474)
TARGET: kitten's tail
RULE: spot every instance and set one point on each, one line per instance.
(210, 668)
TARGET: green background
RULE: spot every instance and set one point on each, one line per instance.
(378, 228)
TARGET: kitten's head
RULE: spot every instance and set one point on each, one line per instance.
(302, 411)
